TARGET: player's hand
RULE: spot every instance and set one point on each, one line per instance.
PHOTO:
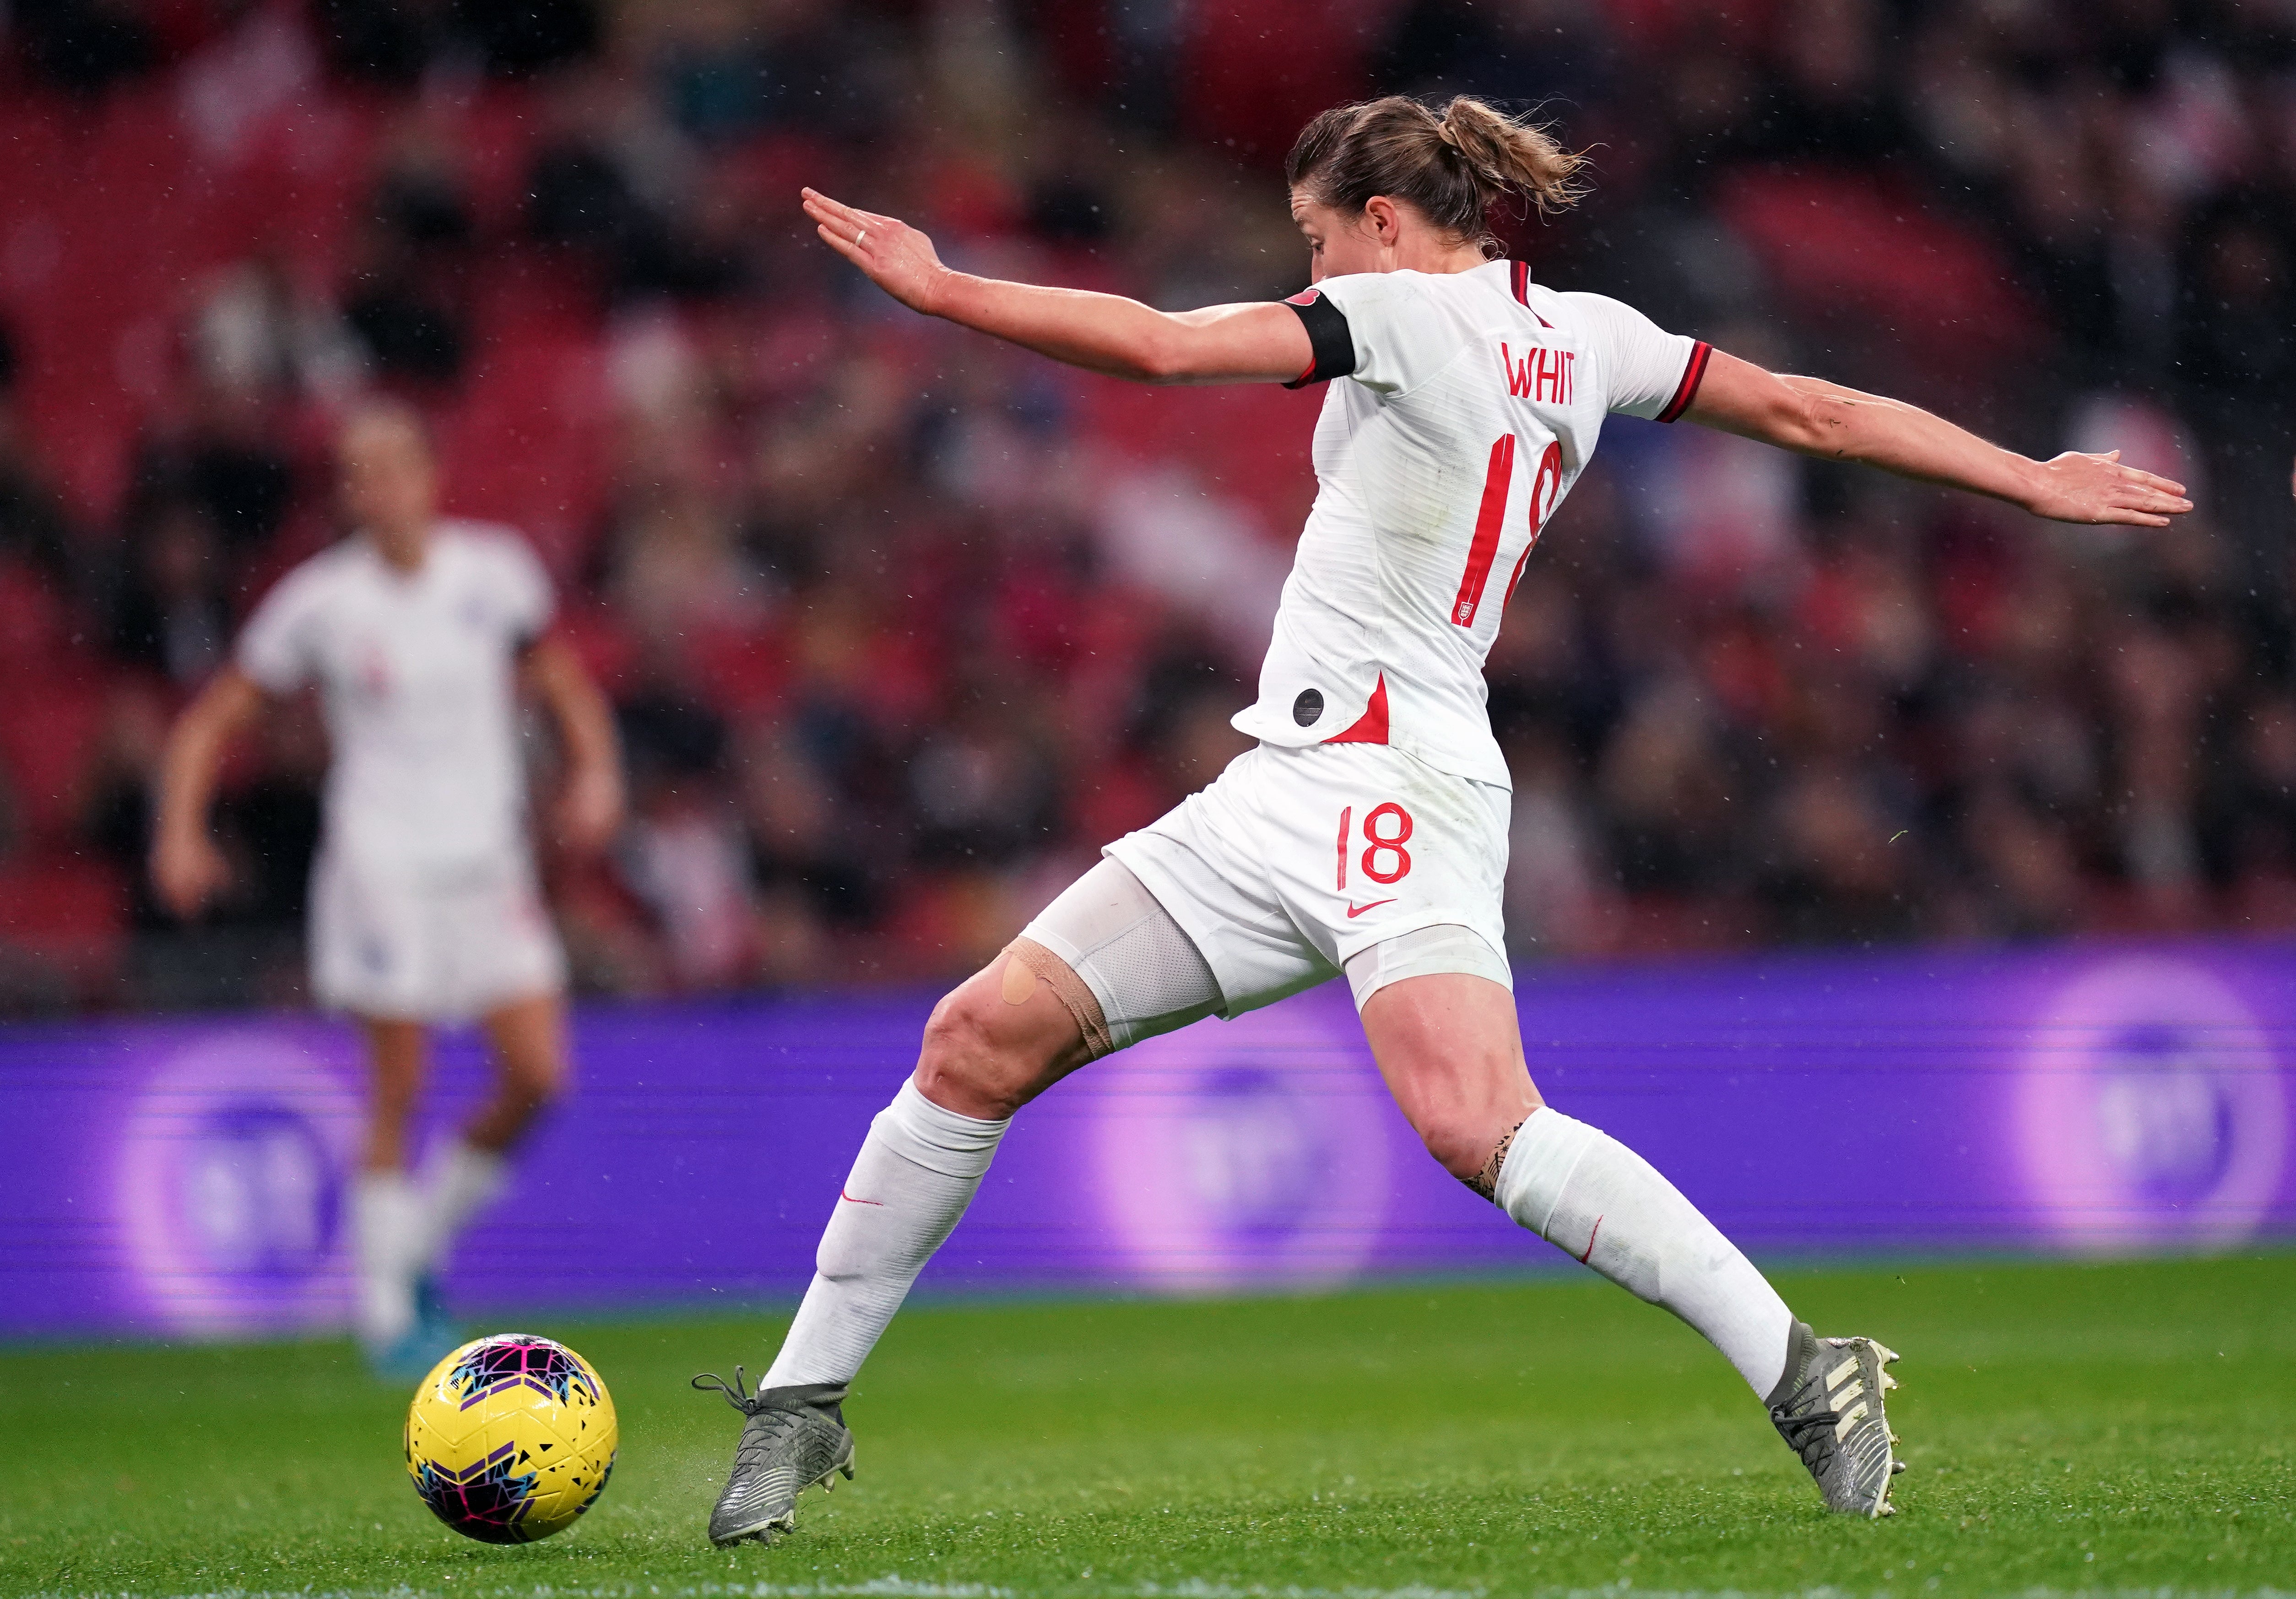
(897, 258)
(2074, 488)
(590, 810)
(188, 870)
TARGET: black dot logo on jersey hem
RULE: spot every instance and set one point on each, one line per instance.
(1308, 707)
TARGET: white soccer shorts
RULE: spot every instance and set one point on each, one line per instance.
(403, 947)
(1295, 864)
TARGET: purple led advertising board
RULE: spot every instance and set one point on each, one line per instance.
(186, 1177)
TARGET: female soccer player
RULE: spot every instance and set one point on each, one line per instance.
(418, 632)
(1366, 834)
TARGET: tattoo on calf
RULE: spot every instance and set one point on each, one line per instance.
(1486, 1182)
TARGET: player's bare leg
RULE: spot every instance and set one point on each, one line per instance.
(405, 1224)
(529, 1040)
(1450, 1049)
(528, 1047)
(1451, 1053)
(1002, 1038)
(387, 1207)
(398, 1060)
(464, 1175)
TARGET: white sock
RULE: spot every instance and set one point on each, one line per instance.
(458, 1182)
(1605, 1206)
(915, 1174)
(386, 1230)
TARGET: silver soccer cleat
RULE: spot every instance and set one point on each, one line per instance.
(1828, 1409)
(794, 1438)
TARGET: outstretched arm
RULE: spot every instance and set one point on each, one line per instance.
(1262, 342)
(1817, 418)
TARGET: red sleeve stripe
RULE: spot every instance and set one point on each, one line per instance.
(1692, 375)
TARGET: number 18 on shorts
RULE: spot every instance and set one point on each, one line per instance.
(1294, 860)
(1395, 868)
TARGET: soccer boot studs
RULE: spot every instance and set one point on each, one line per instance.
(794, 1438)
(1828, 1409)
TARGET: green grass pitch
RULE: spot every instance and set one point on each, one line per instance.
(2091, 1428)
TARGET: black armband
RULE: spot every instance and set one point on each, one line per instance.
(1333, 346)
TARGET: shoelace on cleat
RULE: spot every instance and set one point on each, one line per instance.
(737, 1392)
(1813, 1447)
(769, 1424)
(766, 1429)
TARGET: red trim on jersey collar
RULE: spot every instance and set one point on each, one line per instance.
(1692, 375)
(1519, 272)
(1371, 727)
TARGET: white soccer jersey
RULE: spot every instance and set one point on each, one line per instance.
(417, 675)
(1475, 401)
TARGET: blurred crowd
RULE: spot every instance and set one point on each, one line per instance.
(901, 625)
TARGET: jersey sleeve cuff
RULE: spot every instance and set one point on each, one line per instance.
(1692, 375)
(1331, 346)
(267, 675)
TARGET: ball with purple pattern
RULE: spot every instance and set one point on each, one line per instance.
(510, 1438)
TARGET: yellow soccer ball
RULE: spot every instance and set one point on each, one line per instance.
(511, 1437)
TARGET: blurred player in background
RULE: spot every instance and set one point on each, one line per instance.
(1367, 832)
(419, 632)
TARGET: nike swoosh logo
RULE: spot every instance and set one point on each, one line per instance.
(1597, 1232)
(1355, 910)
(843, 1195)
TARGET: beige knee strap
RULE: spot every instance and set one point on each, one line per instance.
(1029, 956)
